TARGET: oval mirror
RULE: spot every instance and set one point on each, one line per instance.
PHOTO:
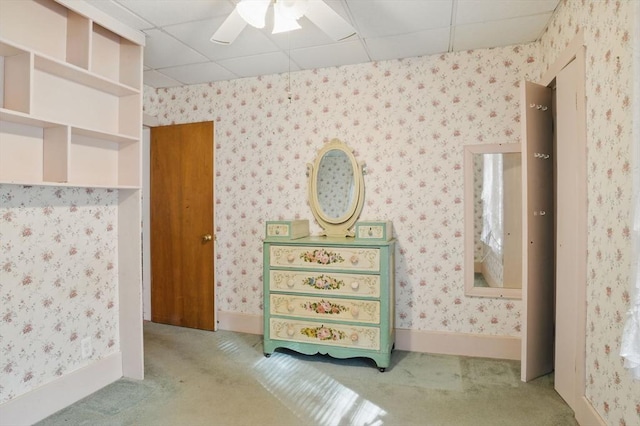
(335, 186)
(336, 189)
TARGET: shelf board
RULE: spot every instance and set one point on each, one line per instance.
(82, 76)
(8, 49)
(26, 119)
(67, 185)
(102, 135)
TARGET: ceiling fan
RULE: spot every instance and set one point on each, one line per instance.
(285, 18)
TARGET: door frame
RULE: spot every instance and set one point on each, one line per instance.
(575, 51)
(149, 121)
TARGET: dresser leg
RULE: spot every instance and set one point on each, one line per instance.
(382, 369)
(267, 355)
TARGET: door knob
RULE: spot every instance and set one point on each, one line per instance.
(206, 237)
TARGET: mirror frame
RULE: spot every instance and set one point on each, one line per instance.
(469, 205)
(336, 227)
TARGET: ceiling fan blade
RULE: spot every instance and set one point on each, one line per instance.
(328, 20)
(230, 29)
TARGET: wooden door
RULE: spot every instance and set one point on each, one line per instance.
(182, 249)
(538, 270)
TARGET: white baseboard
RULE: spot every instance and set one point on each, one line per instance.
(478, 345)
(241, 323)
(44, 401)
(501, 347)
(586, 414)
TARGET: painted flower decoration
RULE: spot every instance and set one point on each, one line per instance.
(324, 307)
(323, 333)
(321, 256)
(324, 282)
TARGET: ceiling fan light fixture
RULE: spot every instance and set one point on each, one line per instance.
(294, 9)
(253, 11)
(286, 14)
(283, 19)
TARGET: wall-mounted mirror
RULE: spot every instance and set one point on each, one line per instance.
(336, 189)
(493, 220)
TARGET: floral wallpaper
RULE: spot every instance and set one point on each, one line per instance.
(58, 251)
(408, 121)
(608, 32)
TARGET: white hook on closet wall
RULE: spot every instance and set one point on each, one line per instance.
(540, 107)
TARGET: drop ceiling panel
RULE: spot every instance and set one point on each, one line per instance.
(163, 51)
(250, 66)
(199, 73)
(472, 11)
(510, 31)
(122, 14)
(179, 32)
(344, 53)
(422, 43)
(156, 79)
(169, 12)
(378, 18)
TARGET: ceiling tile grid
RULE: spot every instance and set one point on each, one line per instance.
(179, 52)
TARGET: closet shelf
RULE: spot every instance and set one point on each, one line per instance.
(68, 71)
(81, 76)
(67, 185)
(10, 49)
(28, 120)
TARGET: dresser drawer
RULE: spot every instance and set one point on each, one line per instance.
(365, 311)
(347, 258)
(325, 283)
(326, 334)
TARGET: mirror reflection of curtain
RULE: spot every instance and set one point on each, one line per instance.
(492, 202)
(335, 184)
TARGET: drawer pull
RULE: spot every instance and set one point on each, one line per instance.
(354, 337)
(354, 260)
(355, 285)
(291, 258)
(355, 311)
(291, 283)
(291, 308)
(290, 331)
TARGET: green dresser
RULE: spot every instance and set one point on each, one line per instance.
(330, 295)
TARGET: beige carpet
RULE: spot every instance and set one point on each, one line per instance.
(196, 377)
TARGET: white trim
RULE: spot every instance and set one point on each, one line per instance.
(130, 284)
(54, 396)
(149, 120)
(576, 51)
(241, 323)
(586, 414)
(435, 342)
(146, 225)
(566, 56)
(477, 345)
